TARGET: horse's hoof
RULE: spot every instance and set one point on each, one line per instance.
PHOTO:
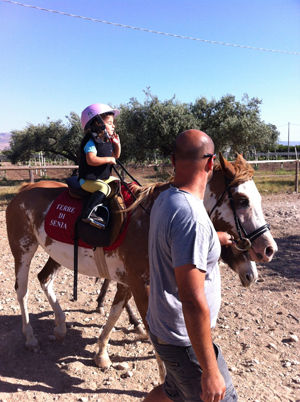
(59, 334)
(102, 361)
(139, 330)
(32, 346)
(100, 310)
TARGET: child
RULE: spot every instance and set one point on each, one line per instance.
(99, 150)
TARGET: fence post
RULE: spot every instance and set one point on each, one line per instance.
(297, 176)
(31, 177)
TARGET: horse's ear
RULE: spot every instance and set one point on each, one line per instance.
(240, 159)
(227, 167)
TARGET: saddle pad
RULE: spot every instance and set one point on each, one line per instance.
(62, 215)
(61, 218)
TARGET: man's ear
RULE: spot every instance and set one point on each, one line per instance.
(210, 164)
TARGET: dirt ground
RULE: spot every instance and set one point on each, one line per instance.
(257, 330)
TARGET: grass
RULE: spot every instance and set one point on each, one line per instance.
(6, 195)
(279, 172)
(275, 182)
(275, 185)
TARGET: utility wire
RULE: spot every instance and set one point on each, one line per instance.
(291, 124)
(151, 31)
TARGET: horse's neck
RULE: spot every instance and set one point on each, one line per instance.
(141, 212)
(214, 190)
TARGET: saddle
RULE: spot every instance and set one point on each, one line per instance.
(90, 234)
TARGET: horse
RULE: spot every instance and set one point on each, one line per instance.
(231, 199)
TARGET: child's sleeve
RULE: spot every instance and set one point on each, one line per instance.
(90, 147)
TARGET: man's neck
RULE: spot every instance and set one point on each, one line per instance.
(194, 186)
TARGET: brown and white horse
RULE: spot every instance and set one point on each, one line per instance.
(128, 264)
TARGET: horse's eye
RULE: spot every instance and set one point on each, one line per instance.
(243, 203)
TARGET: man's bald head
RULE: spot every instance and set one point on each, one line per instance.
(192, 145)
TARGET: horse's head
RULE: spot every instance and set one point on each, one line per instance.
(234, 205)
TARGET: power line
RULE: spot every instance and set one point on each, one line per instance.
(151, 31)
(291, 124)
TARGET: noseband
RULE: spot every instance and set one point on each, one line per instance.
(245, 242)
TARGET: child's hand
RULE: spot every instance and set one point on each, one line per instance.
(115, 138)
(112, 161)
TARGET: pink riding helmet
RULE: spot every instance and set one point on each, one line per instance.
(93, 110)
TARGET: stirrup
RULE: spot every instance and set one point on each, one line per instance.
(97, 221)
(98, 225)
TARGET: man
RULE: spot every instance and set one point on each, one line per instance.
(185, 289)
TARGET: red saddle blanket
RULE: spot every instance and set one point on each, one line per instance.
(62, 215)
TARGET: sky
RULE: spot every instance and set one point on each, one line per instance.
(52, 64)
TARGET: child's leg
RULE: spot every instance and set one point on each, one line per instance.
(96, 185)
(95, 212)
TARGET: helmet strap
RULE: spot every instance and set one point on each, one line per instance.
(101, 122)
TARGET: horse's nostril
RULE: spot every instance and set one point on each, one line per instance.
(269, 251)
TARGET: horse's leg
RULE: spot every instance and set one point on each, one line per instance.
(100, 299)
(141, 296)
(122, 296)
(22, 265)
(138, 327)
(46, 278)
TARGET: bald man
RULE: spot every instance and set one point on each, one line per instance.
(185, 288)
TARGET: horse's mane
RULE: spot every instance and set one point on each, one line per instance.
(144, 197)
(144, 194)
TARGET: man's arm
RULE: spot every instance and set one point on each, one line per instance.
(190, 282)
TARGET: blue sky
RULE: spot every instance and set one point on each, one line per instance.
(52, 64)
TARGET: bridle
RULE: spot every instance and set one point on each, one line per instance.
(245, 242)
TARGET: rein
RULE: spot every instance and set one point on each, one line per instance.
(125, 184)
(245, 242)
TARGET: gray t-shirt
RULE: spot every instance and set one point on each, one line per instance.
(180, 233)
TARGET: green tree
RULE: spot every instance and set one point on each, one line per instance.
(235, 125)
(148, 129)
(52, 137)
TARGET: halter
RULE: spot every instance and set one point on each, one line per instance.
(245, 242)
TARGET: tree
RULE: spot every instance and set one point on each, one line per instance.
(148, 130)
(52, 137)
(235, 125)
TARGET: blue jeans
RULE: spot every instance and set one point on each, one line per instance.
(183, 379)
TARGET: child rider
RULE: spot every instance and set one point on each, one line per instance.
(99, 150)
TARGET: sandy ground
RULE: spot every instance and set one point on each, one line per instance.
(257, 330)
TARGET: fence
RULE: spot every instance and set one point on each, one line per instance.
(44, 168)
(276, 155)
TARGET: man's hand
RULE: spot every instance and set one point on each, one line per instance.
(213, 387)
(225, 239)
